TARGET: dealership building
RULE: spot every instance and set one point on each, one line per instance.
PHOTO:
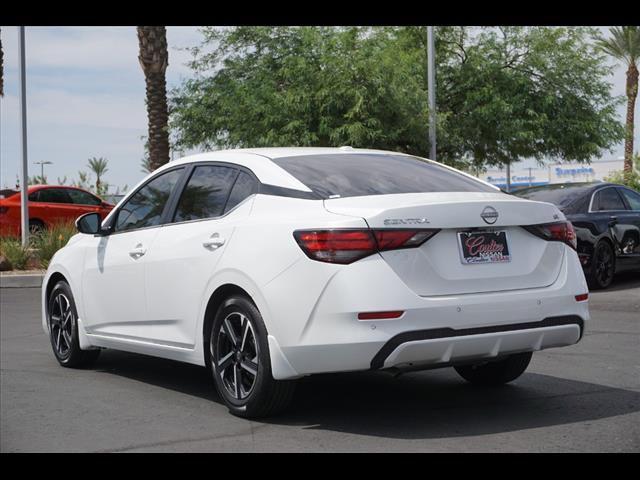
(552, 173)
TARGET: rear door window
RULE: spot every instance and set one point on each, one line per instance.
(206, 193)
(80, 197)
(244, 187)
(607, 199)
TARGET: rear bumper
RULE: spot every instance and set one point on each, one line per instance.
(326, 336)
(447, 346)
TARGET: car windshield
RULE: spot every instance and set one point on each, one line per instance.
(561, 195)
(350, 175)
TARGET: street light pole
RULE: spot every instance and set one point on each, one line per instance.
(431, 88)
(42, 164)
(24, 205)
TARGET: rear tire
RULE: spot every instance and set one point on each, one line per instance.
(240, 362)
(603, 266)
(36, 226)
(496, 373)
(63, 329)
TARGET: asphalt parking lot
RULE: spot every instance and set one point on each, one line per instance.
(582, 398)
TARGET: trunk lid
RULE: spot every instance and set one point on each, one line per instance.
(436, 267)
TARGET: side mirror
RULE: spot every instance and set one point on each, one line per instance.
(89, 223)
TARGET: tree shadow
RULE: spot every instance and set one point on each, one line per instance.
(432, 404)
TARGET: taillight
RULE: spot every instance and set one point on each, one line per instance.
(348, 245)
(4, 209)
(557, 231)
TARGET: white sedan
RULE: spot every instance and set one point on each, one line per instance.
(266, 265)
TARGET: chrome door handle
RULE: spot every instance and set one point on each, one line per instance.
(137, 252)
(214, 242)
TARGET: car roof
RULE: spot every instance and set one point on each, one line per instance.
(259, 161)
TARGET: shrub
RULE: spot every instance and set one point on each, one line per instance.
(12, 249)
(48, 242)
(631, 179)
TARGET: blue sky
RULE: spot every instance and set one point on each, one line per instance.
(86, 98)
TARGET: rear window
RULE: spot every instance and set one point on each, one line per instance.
(563, 196)
(352, 175)
(7, 192)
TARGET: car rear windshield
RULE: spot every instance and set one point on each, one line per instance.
(6, 193)
(352, 175)
(560, 195)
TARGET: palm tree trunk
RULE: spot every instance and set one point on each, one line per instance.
(632, 93)
(1, 70)
(154, 60)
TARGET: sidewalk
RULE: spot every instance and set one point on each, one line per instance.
(22, 279)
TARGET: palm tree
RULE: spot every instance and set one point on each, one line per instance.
(1, 70)
(99, 167)
(154, 59)
(624, 45)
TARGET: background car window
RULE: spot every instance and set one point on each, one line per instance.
(145, 207)
(245, 185)
(206, 193)
(633, 198)
(349, 175)
(80, 197)
(607, 199)
(54, 195)
(34, 196)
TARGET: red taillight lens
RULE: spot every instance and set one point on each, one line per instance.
(582, 297)
(557, 231)
(347, 246)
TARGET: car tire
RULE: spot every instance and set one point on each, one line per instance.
(496, 373)
(62, 318)
(36, 226)
(240, 362)
(603, 266)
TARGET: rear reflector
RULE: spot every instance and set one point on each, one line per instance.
(557, 231)
(582, 298)
(380, 315)
(348, 245)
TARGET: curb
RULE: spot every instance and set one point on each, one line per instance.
(27, 280)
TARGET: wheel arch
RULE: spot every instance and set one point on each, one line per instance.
(215, 301)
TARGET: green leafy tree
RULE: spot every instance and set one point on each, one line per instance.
(503, 94)
(99, 167)
(624, 45)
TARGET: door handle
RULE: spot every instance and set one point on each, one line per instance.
(214, 242)
(137, 252)
(613, 220)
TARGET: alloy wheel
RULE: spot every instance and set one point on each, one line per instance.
(61, 324)
(604, 264)
(236, 355)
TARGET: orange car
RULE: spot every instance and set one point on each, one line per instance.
(48, 205)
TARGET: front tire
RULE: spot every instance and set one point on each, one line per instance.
(496, 373)
(63, 329)
(240, 362)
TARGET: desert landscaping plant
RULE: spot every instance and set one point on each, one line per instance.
(12, 250)
(47, 242)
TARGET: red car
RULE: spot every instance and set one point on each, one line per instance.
(48, 205)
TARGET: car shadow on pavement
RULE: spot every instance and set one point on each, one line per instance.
(432, 404)
(624, 281)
